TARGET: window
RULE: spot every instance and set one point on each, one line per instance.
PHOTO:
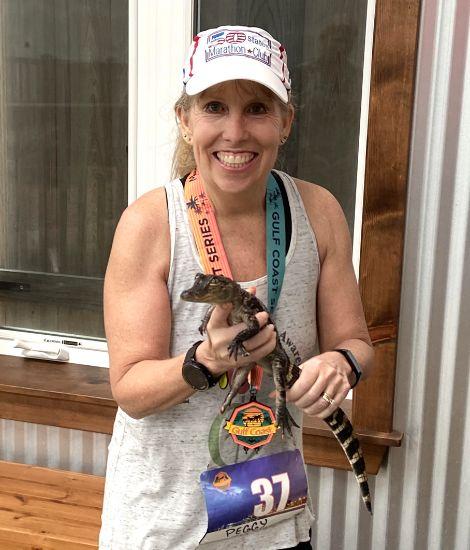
(63, 164)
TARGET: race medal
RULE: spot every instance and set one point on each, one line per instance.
(253, 495)
(252, 425)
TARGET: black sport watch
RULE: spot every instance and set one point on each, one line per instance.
(196, 374)
(355, 367)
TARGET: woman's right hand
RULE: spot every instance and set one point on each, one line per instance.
(214, 352)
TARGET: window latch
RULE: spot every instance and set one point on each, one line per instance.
(14, 286)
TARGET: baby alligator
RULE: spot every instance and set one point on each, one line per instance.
(216, 289)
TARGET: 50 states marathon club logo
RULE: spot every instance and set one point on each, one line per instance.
(235, 42)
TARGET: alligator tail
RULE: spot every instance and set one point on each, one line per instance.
(343, 431)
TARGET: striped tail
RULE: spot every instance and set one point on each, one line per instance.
(343, 431)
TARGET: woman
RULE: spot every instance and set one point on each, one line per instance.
(234, 114)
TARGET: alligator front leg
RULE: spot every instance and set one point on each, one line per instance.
(205, 320)
(284, 419)
(236, 346)
(239, 376)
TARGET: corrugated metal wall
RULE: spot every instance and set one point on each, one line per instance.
(53, 447)
(421, 496)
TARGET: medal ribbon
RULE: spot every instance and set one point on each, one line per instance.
(204, 227)
(203, 223)
(275, 241)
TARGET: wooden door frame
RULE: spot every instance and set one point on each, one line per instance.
(383, 227)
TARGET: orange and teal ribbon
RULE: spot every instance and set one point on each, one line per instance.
(214, 260)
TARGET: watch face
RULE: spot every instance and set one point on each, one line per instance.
(195, 377)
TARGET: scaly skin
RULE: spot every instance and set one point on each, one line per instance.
(216, 289)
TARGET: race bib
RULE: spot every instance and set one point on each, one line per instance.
(252, 495)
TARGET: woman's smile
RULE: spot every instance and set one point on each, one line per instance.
(235, 161)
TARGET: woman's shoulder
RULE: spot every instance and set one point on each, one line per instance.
(147, 214)
(318, 198)
(325, 214)
(142, 233)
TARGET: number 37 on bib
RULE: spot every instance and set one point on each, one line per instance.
(253, 495)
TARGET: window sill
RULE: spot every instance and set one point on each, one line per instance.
(79, 397)
(322, 449)
(56, 394)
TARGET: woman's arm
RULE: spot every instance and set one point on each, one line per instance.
(340, 317)
(137, 311)
(144, 378)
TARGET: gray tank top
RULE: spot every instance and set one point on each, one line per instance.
(153, 500)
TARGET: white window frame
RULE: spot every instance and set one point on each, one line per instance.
(159, 35)
(363, 129)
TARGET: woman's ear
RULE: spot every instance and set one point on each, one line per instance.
(288, 119)
(183, 119)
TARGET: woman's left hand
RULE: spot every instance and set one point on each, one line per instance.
(328, 374)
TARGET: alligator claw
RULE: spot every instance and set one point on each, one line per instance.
(236, 348)
(285, 421)
(238, 379)
(205, 320)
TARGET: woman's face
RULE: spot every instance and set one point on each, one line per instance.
(236, 128)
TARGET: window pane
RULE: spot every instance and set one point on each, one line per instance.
(63, 159)
(324, 40)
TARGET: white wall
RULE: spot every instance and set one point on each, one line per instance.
(421, 497)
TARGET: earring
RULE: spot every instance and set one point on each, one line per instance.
(283, 140)
(187, 138)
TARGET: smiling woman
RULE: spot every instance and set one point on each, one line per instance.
(287, 240)
(235, 131)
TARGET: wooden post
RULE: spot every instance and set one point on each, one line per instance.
(383, 225)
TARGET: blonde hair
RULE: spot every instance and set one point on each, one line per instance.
(183, 156)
